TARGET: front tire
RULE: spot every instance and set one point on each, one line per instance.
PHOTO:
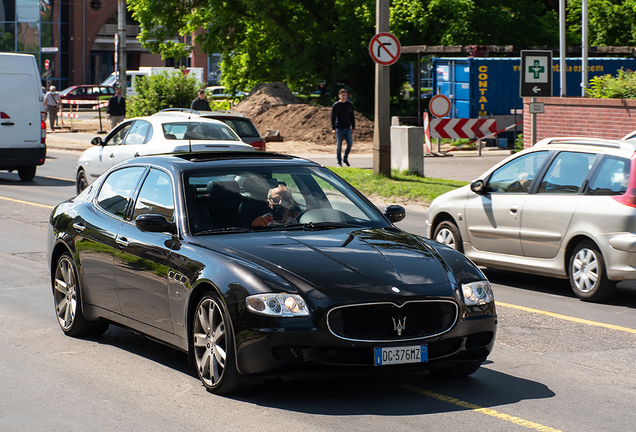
(213, 346)
(27, 173)
(588, 277)
(81, 182)
(67, 297)
(447, 233)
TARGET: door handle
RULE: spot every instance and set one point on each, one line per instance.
(513, 210)
(136, 154)
(79, 227)
(121, 241)
(8, 124)
(112, 156)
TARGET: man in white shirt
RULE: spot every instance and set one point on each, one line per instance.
(51, 104)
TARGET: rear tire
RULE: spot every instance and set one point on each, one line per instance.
(448, 234)
(81, 182)
(67, 298)
(588, 277)
(27, 173)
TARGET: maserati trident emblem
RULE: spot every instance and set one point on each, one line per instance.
(399, 325)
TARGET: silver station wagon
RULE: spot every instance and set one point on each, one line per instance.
(564, 208)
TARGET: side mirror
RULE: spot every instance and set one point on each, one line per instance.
(478, 187)
(97, 141)
(395, 213)
(155, 223)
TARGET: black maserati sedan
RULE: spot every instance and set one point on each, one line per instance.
(260, 266)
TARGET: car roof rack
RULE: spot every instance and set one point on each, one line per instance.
(585, 141)
(169, 111)
(177, 110)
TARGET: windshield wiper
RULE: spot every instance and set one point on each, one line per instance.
(229, 230)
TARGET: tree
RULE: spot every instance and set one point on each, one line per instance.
(306, 42)
(161, 91)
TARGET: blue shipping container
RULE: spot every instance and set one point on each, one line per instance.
(490, 86)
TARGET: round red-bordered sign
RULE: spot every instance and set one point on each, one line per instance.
(439, 106)
(385, 49)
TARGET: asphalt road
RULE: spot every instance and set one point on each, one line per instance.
(558, 363)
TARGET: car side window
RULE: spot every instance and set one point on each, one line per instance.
(117, 189)
(137, 133)
(611, 178)
(516, 175)
(156, 196)
(119, 135)
(566, 173)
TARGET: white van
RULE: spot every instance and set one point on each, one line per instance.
(22, 126)
(131, 78)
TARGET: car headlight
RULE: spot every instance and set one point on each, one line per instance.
(285, 305)
(477, 293)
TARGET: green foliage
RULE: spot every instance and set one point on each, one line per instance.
(621, 86)
(161, 91)
(307, 42)
(404, 186)
(519, 142)
(610, 22)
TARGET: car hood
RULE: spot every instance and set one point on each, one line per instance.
(366, 260)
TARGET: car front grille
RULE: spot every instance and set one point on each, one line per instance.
(381, 322)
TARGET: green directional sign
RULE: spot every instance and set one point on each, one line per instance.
(536, 74)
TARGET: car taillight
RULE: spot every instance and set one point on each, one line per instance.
(43, 127)
(629, 197)
(259, 145)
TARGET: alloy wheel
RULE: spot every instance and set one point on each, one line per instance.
(210, 342)
(65, 293)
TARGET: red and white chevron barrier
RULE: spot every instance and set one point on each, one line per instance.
(101, 105)
(63, 114)
(462, 128)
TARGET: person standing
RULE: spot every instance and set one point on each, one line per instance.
(343, 123)
(116, 111)
(51, 104)
(200, 103)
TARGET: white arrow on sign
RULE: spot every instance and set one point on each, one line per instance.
(536, 89)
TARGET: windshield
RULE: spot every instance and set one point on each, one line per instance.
(110, 81)
(198, 131)
(280, 198)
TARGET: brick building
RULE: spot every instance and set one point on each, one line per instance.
(77, 37)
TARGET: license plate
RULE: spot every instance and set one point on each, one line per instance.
(401, 355)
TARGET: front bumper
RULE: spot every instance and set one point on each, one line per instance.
(300, 349)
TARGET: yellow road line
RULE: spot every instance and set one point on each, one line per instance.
(26, 202)
(568, 318)
(481, 410)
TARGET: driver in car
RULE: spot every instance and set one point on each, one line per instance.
(281, 202)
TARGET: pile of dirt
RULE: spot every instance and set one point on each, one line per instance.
(273, 106)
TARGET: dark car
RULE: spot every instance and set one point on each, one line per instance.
(85, 94)
(193, 250)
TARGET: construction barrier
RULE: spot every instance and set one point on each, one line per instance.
(63, 114)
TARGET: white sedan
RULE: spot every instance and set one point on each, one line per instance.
(154, 135)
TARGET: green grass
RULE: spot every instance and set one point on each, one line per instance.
(399, 187)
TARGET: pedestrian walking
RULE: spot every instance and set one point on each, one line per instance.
(51, 105)
(200, 103)
(116, 111)
(343, 123)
